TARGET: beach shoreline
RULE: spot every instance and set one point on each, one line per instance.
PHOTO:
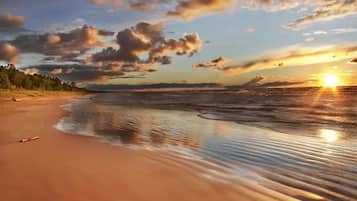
(71, 167)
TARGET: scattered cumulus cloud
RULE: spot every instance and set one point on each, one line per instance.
(330, 31)
(56, 71)
(250, 30)
(11, 23)
(65, 45)
(8, 53)
(312, 11)
(326, 10)
(217, 63)
(309, 39)
(148, 39)
(31, 71)
(118, 3)
(189, 10)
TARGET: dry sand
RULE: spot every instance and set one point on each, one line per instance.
(59, 166)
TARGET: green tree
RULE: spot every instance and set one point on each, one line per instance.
(10, 76)
(27, 83)
(18, 79)
(4, 80)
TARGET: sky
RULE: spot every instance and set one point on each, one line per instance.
(228, 42)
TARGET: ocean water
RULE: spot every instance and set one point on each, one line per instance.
(282, 144)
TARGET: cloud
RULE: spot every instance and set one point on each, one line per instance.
(11, 23)
(31, 71)
(189, 10)
(309, 39)
(117, 3)
(65, 45)
(8, 53)
(53, 39)
(148, 5)
(330, 31)
(218, 63)
(293, 56)
(250, 30)
(78, 73)
(327, 10)
(56, 71)
(343, 30)
(85, 74)
(136, 5)
(148, 39)
(321, 10)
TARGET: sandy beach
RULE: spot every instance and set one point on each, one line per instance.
(59, 166)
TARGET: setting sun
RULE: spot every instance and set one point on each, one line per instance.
(331, 80)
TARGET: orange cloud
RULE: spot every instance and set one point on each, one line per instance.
(65, 45)
(327, 10)
(218, 63)
(31, 71)
(148, 39)
(189, 10)
(9, 20)
(117, 3)
(53, 39)
(56, 71)
(8, 53)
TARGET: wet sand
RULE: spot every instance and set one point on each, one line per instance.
(59, 166)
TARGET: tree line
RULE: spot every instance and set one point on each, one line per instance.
(11, 78)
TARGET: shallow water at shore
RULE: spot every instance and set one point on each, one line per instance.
(308, 156)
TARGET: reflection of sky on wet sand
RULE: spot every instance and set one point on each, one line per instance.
(297, 166)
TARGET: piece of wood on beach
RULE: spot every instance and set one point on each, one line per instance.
(15, 99)
(23, 140)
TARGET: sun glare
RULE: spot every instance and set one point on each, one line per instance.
(329, 135)
(331, 80)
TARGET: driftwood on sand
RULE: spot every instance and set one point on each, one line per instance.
(23, 140)
(15, 99)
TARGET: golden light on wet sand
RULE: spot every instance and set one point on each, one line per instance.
(331, 80)
(329, 135)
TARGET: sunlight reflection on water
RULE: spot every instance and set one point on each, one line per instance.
(329, 135)
(302, 167)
